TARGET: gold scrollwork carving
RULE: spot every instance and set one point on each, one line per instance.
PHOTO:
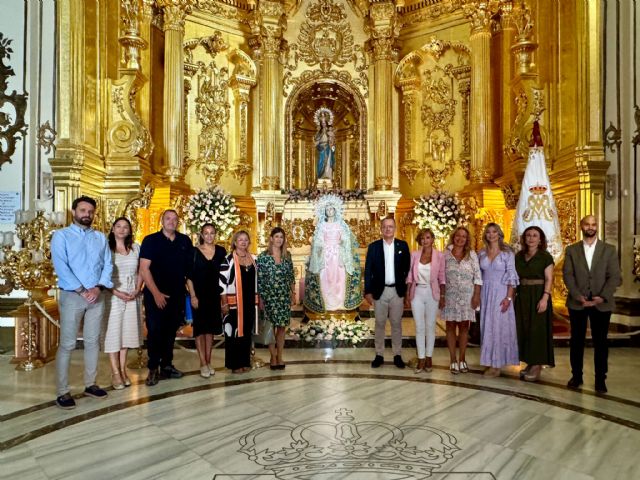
(636, 116)
(175, 12)
(429, 11)
(636, 257)
(47, 137)
(213, 112)
(12, 127)
(438, 113)
(567, 215)
(365, 231)
(299, 232)
(612, 137)
(216, 8)
(141, 201)
(481, 13)
(325, 37)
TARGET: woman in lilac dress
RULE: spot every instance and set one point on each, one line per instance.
(499, 343)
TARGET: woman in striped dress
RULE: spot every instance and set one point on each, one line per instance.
(122, 305)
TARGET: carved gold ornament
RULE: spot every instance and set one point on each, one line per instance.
(325, 37)
(46, 137)
(567, 208)
(12, 107)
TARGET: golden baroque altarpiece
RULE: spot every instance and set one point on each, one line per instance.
(174, 95)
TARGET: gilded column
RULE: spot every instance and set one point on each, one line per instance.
(128, 139)
(482, 154)
(590, 159)
(384, 27)
(69, 160)
(174, 12)
(241, 86)
(267, 27)
(410, 121)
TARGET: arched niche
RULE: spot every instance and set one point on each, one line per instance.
(350, 126)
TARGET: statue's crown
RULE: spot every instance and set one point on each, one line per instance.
(349, 449)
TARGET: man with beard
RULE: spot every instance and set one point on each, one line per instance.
(591, 273)
(164, 259)
(82, 260)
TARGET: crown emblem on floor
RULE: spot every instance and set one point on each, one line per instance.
(345, 448)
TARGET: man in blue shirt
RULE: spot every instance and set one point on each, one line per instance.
(164, 260)
(82, 259)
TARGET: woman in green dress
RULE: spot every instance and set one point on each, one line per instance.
(534, 315)
(275, 287)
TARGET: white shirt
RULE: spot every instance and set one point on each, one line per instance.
(389, 264)
(424, 274)
(588, 251)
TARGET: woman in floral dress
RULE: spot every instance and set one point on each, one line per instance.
(275, 287)
(462, 296)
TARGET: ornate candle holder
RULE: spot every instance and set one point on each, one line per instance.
(29, 268)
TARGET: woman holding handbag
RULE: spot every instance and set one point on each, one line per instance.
(239, 284)
(275, 287)
(204, 292)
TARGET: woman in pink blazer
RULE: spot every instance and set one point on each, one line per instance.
(426, 285)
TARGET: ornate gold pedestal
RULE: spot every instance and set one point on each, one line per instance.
(44, 336)
(337, 315)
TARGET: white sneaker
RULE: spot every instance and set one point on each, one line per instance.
(212, 372)
(204, 372)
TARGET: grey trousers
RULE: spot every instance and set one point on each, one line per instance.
(73, 308)
(390, 306)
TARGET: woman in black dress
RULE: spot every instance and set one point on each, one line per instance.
(238, 280)
(204, 290)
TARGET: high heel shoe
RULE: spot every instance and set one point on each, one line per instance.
(524, 371)
(453, 368)
(533, 375)
(428, 365)
(419, 366)
(464, 368)
(116, 381)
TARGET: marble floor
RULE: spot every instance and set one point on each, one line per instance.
(327, 416)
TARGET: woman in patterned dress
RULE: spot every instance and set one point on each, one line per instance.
(462, 297)
(499, 345)
(122, 305)
(275, 287)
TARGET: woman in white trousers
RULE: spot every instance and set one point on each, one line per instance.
(426, 286)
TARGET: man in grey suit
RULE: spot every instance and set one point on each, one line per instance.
(591, 273)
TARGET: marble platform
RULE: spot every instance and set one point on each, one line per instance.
(328, 416)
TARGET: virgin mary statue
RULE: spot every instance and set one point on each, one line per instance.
(332, 280)
(325, 141)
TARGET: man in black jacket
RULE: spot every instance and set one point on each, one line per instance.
(385, 275)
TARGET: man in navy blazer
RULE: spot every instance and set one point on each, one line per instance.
(385, 285)
(591, 273)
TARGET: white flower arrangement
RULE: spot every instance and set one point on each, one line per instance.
(213, 206)
(441, 212)
(334, 331)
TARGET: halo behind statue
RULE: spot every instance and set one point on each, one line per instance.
(321, 111)
(328, 200)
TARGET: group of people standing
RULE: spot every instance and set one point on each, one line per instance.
(510, 291)
(102, 279)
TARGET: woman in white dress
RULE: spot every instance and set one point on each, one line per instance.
(122, 306)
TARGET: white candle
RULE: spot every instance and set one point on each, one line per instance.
(1, 238)
(8, 239)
